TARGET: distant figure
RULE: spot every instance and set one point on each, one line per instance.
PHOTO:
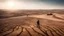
(38, 24)
(27, 15)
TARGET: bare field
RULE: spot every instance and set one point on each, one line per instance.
(27, 26)
(24, 23)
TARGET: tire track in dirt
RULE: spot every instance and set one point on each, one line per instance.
(54, 30)
(44, 30)
(37, 30)
(8, 32)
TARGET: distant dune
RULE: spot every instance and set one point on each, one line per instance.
(15, 13)
(59, 16)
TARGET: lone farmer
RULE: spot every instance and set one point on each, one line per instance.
(38, 24)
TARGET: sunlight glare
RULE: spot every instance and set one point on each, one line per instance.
(10, 4)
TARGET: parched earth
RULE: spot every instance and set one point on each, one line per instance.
(27, 26)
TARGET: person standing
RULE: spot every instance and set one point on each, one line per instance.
(38, 24)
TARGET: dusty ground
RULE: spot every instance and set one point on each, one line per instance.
(27, 26)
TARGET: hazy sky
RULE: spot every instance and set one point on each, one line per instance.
(31, 4)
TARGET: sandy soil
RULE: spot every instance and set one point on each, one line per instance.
(27, 26)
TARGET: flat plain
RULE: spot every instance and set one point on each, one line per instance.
(26, 25)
